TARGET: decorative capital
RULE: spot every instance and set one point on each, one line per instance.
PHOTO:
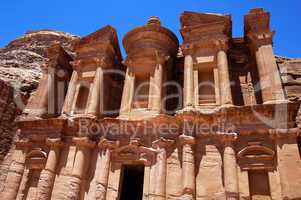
(222, 44)
(23, 143)
(185, 139)
(284, 133)
(54, 142)
(227, 137)
(260, 39)
(107, 144)
(162, 143)
(99, 62)
(83, 141)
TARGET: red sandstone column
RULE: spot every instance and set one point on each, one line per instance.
(70, 94)
(157, 90)
(188, 167)
(230, 167)
(41, 106)
(224, 78)
(97, 93)
(105, 163)
(270, 81)
(159, 189)
(81, 162)
(188, 82)
(128, 93)
(16, 170)
(47, 176)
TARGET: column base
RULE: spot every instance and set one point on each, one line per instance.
(156, 197)
(100, 192)
(276, 101)
(45, 185)
(186, 197)
(74, 186)
(227, 106)
(232, 196)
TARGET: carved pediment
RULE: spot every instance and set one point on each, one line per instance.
(134, 152)
(194, 18)
(36, 159)
(256, 151)
(256, 156)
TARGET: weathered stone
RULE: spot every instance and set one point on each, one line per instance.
(234, 139)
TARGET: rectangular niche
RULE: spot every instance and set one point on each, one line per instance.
(141, 93)
(206, 86)
(82, 98)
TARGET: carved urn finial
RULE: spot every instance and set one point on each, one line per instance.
(154, 20)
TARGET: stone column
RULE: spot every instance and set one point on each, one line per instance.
(287, 157)
(157, 88)
(96, 100)
(105, 162)
(270, 81)
(188, 166)
(230, 167)
(161, 146)
(70, 94)
(80, 165)
(224, 79)
(188, 82)
(47, 176)
(16, 170)
(128, 93)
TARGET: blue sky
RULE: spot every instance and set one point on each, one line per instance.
(81, 17)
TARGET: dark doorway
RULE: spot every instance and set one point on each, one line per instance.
(132, 182)
(259, 185)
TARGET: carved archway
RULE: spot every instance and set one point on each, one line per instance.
(256, 157)
(36, 159)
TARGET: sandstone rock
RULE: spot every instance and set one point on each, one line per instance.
(290, 70)
(20, 70)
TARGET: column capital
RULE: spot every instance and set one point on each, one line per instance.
(162, 143)
(83, 141)
(54, 142)
(227, 138)
(284, 133)
(108, 144)
(185, 139)
(259, 39)
(222, 44)
(23, 143)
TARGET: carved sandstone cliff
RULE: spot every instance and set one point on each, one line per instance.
(20, 69)
(290, 70)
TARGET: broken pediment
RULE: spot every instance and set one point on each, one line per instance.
(189, 19)
(101, 40)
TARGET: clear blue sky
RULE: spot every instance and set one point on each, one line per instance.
(81, 17)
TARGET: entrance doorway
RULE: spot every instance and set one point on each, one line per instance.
(132, 182)
(259, 185)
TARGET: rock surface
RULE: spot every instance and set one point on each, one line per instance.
(21, 59)
(290, 70)
(20, 70)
